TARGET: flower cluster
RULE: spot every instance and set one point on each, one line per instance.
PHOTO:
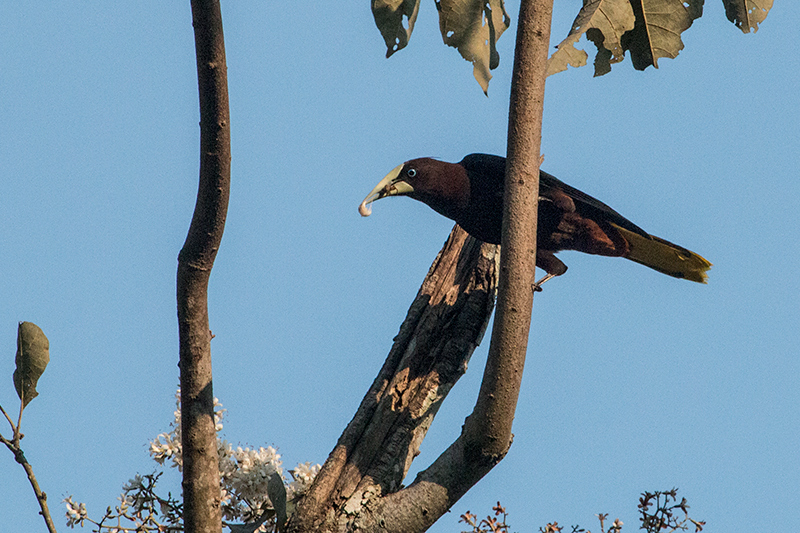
(244, 475)
(663, 517)
(616, 525)
(490, 524)
(303, 475)
(167, 446)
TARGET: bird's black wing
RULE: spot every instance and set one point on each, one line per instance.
(492, 168)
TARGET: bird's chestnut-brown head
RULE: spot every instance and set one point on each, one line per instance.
(443, 186)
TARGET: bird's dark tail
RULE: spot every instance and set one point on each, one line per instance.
(665, 257)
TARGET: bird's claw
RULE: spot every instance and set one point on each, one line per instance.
(537, 287)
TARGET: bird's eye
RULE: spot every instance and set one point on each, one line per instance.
(411, 172)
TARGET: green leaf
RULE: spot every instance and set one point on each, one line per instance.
(657, 33)
(473, 27)
(604, 22)
(33, 354)
(747, 14)
(277, 495)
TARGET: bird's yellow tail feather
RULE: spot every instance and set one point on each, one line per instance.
(665, 257)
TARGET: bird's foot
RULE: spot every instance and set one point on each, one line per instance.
(537, 287)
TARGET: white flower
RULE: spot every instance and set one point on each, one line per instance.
(76, 512)
(303, 477)
(133, 484)
(125, 502)
(168, 445)
(251, 472)
(219, 412)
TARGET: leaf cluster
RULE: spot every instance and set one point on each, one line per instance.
(646, 29)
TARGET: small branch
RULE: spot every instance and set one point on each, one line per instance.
(41, 497)
(10, 422)
(201, 486)
(18, 427)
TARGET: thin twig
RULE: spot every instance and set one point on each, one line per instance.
(17, 430)
(10, 422)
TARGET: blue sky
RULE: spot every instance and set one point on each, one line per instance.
(634, 381)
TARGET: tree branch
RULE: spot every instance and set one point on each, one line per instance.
(444, 324)
(488, 430)
(201, 488)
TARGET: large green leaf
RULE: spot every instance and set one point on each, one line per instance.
(657, 33)
(747, 14)
(604, 22)
(390, 16)
(33, 354)
(473, 27)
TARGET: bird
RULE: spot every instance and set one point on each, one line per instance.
(470, 193)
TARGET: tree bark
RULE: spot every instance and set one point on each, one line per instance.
(201, 485)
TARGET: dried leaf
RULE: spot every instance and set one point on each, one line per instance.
(747, 14)
(473, 27)
(33, 354)
(657, 33)
(604, 22)
(395, 20)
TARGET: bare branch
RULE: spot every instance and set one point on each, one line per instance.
(486, 435)
(201, 489)
(488, 429)
(11, 422)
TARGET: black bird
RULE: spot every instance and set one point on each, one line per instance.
(471, 193)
